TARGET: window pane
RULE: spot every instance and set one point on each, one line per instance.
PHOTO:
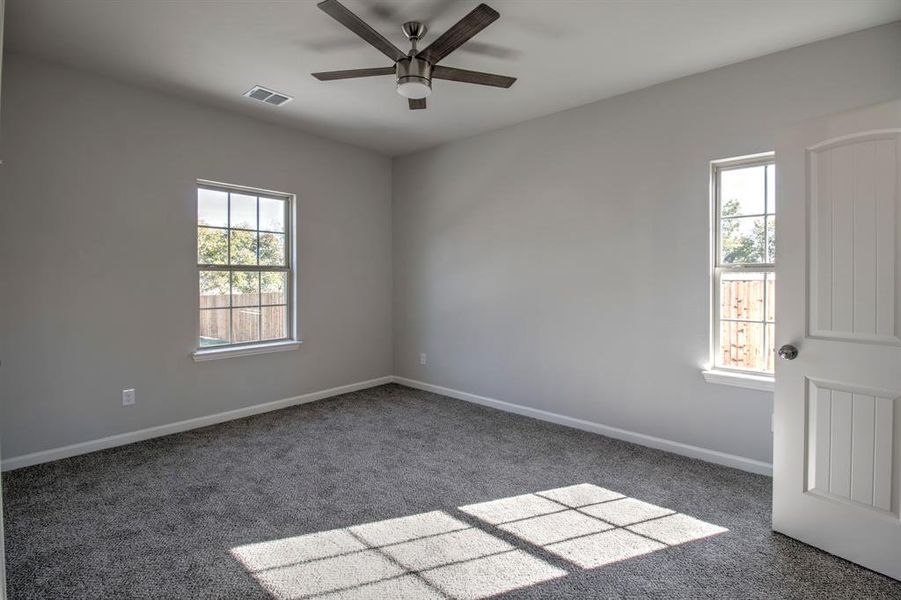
(771, 239)
(742, 296)
(770, 348)
(243, 247)
(213, 289)
(214, 327)
(272, 249)
(771, 189)
(212, 208)
(272, 215)
(770, 296)
(243, 231)
(245, 288)
(275, 322)
(212, 246)
(741, 191)
(273, 287)
(743, 240)
(246, 324)
(741, 345)
(244, 211)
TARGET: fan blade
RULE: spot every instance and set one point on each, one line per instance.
(417, 104)
(477, 20)
(353, 73)
(476, 77)
(340, 13)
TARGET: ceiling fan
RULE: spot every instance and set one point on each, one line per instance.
(415, 70)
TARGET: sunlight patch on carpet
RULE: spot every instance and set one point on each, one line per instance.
(490, 548)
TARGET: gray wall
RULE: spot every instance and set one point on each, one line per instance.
(562, 263)
(97, 251)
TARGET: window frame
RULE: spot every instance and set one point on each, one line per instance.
(716, 372)
(290, 341)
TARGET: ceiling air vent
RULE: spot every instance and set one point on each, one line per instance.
(268, 96)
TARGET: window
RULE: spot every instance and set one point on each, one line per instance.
(243, 266)
(744, 278)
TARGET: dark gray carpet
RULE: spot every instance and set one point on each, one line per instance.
(162, 518)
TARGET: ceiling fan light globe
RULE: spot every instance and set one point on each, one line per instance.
(414, 88)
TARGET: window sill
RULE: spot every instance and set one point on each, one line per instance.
(763, 383)
(218, 353)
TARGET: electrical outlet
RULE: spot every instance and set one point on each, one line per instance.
(422, 358)
(128, 397)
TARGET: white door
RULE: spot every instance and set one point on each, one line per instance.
(837, 428)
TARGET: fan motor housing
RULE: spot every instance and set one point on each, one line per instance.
(414, 69)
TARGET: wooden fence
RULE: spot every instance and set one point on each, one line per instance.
(247, 318)
(747, 345)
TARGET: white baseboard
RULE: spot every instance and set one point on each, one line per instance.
(714, 456)
(27, 460)
(721, 458)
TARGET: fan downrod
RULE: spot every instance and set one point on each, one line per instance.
(415, 31)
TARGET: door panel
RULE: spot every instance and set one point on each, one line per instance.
(849, 444)
(837, 426)
(853, 204)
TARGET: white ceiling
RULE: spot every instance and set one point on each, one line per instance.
(565, 53)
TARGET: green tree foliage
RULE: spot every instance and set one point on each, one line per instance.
(743, 247)
(213, 247)
(243, 247)
(215, 286)
(272, 249)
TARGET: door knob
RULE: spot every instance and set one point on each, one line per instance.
(788, 352)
